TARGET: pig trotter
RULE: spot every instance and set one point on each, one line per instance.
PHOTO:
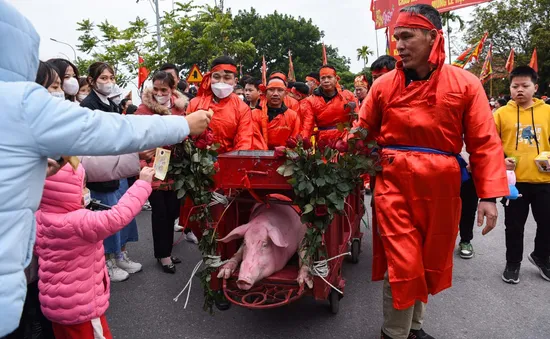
(230, 267)
(305, 277)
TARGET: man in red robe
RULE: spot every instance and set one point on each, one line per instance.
(289, 101)
(420, 114)
(231, 122)
(381, 66)
(329, 108)
(276, 121)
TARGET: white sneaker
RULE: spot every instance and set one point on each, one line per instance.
(128, 265)
(115, 273)
(191, 238)
(177, 227)
(146, 206)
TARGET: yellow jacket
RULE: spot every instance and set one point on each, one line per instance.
(515, 126)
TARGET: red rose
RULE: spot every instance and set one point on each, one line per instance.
(217, 166)
(201, 144)
(321, 210)
(360, 146)
(291, 143)
(209, 138)
(322, 144)
(280, 151)
(306, 143)
(341, 146)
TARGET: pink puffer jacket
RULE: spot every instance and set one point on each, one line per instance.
(73, 280)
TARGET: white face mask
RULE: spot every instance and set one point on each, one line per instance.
(117, 100)
(60, 95)
(222, 90)
(81, 97)
(162, 99)
(86, 197)
(105, 89)
(70, 86)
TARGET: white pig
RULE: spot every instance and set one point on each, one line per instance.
(271, 238)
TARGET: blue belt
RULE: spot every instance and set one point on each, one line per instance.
(464, 175)
(327, 128)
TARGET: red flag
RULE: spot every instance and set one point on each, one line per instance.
(373, 10)
(264, 71)
(487, 69)
(471, 53)
(534, 64)
(325, 61)
(291, 75)
(143, 72)
(511, 61)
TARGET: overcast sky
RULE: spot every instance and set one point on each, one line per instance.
(347, 23)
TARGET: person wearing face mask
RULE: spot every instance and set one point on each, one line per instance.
(48, 77)
(116, 96)
(165, 205)
(101, 78)
(68, 73)
(83, 89)
(231, 122)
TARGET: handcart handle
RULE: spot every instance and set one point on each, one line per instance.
(256, 172)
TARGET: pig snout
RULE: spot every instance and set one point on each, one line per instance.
(244, 285)
(249, 274)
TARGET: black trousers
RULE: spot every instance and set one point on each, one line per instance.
(165, 209)
(515, 216)
(33, 324)
(469, 198)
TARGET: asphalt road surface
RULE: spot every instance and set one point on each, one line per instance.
(479, 305)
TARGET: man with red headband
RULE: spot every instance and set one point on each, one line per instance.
(328, 107)
(312, 81)
(276, 121)
(361, 85)
(231, 122)
(420, 114)
(289, 101)
(381, 66)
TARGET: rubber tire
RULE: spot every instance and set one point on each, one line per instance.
(334, 299)
(355, 251)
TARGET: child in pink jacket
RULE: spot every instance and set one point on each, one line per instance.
(73, 280)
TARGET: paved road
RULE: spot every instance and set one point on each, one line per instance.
(480, 305)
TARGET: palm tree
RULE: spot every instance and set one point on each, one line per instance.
(447, 18)
(363, 53)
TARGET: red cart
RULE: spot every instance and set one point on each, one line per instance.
(253, 174)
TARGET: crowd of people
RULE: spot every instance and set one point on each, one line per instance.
(420, 115)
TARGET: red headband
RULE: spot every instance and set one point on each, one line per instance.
(361, 81)
(276, 83)
(312, 79)
(380, 71)
(418, 21)
(224, 67)
(327, 71)
(297, 93)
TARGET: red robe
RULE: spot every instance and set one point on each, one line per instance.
(417, 195)
(231, 122)
(326, 115)
(278, 130)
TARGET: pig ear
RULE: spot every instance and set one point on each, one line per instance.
(277, 237)
(237, 233)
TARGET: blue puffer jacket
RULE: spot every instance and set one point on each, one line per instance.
(34, 126)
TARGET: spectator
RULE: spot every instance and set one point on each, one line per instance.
(68, 73)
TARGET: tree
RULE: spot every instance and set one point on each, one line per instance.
(447, 18)
(274, 34)
(519, 24)
(363, 53)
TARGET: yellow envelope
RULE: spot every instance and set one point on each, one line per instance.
(162, 161)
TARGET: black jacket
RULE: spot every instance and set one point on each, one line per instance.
(93, 101)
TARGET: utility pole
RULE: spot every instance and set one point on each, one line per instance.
(157, 14)
(158, 24)
(64, 43)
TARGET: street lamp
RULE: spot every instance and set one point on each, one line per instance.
(64, 43)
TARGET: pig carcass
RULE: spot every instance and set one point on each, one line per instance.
(271, 238)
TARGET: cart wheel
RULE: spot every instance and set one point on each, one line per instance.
(355, 250)
(334, 299)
